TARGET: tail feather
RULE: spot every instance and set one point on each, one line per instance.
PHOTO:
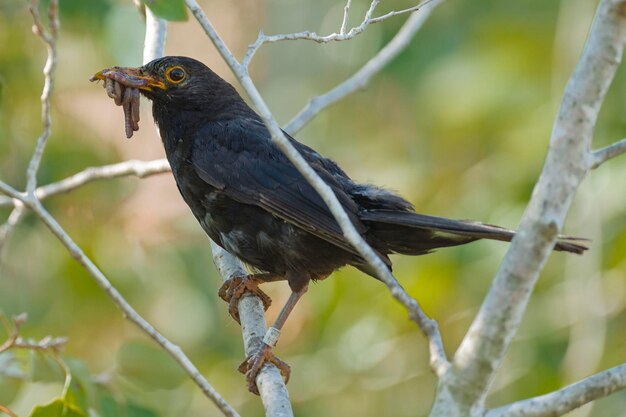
(415, 234)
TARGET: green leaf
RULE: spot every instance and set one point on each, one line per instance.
(57, 408)
(168, 9)
(149, 367)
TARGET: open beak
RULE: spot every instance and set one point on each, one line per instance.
(130, 78)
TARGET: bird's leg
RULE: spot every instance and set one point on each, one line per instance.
(253, 364)
(234, 288)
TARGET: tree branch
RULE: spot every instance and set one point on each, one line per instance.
(602, 155)
(333, 37)
(462, 391)
(428, 326)
(156, 33)
(129, 312)
(272, 389)
(137, 168)
(346, 14)
(362, 77)
(567, 399)
(49, 37)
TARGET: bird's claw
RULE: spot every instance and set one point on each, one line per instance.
(235, 288)
(253, 364)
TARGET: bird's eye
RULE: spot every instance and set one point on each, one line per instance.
(175, 75)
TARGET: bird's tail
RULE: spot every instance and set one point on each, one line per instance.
(416, 234)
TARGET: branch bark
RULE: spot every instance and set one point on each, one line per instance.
(272, 389)
(567, 399)
(139, 169)
(49, 37)
(463, 389)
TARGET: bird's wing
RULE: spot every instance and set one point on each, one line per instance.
(238, 157)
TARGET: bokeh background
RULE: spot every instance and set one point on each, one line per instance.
(459, 124)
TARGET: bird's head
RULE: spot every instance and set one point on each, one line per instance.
(176, 82)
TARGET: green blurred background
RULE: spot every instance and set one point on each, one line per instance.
(459, 124)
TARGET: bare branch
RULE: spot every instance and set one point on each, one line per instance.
(428, 326)
(137, 168)
(10, 191)
(7, 411)
(602, 155)
(399, 12)
(272, 389)
(14, 340)
(129, 312)
(333, 37)
(567, 399)
(6, 229)
(362, 77)
(156, 32)
(483, 348)
(49, 37)
(346, 13)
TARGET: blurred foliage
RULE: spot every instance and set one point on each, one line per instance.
(168, 9)
(459, 124)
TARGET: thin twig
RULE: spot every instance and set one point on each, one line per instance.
(567, 399)
(399, 12)
(489, 336)
(7, 411)
(604, 154)
(136, 168)
(14, 218)
(49, 37)
(360, 79)
(428, 326)
(333, 37)
(344, 21)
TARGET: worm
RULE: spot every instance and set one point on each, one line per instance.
(124, 90)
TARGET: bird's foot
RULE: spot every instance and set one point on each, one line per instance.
(253, 364)
(235, 288)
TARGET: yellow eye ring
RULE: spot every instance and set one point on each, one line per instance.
(175, 75)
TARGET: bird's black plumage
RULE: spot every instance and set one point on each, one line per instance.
(252, 201)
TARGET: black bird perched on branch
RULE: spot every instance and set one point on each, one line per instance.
(252, 201)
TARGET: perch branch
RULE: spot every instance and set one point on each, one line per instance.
(429, 327)
(272, 389)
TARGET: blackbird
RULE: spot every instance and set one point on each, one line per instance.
(253, 202)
